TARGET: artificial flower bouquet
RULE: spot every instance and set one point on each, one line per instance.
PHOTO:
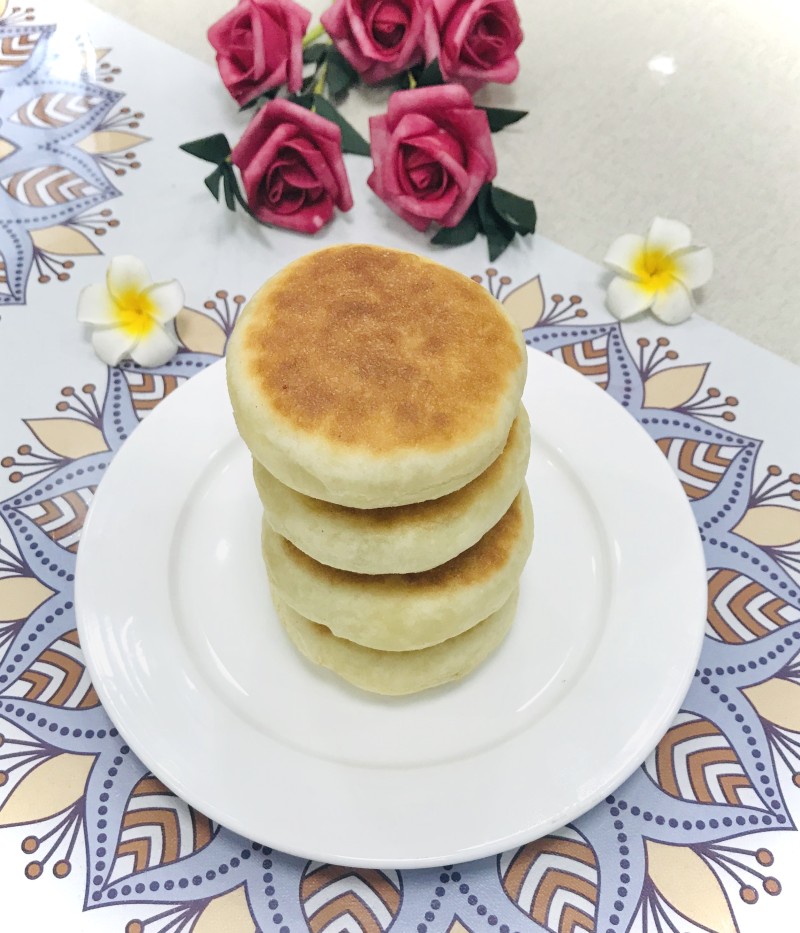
(432, 152)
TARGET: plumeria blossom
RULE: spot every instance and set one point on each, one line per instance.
(658, 272)
(131, 315)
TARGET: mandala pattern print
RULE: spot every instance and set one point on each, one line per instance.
(675, 849)
(63, 137)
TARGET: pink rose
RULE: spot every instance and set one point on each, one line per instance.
(477, 40)
(259, 46)
(292, 167)
(432, 152)
(380, 38)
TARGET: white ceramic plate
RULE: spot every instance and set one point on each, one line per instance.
(190, 661)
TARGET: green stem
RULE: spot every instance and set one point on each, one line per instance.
(412, 81)
(320, 82)
(313, 35)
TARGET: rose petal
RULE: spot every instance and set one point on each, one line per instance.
(111, 344)
(155, 348)
(391, 167)
(438, 143)
(430, 38)
(256, 152)
(624, 298)
(96, 306)
(474, 125)
(126, 273)
(673, 304)
(430, 209)
(260, 21)
(427, 101)
(167, 298)
(308, 219)
(315, 162)
(474, 183)
(695, 266)
(668, 235)
(419, 223)
(623, 254)
(421, 174)
(444, 8)
(298, 18)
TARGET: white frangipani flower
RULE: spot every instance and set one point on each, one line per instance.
(658, 272)
(131, 316)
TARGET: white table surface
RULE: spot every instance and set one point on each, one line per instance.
(685, 108)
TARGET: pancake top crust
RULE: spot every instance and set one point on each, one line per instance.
(380, 350)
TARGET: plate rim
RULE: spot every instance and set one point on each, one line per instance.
(93, 655)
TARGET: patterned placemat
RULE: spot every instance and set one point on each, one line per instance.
(702, 837)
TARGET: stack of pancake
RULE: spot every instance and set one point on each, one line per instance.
(379, 394)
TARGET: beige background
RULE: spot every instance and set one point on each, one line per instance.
(685, 108)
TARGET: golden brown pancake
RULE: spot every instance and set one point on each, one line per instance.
(395, 673)
(406, 612)
(405, 538)
(372, 377)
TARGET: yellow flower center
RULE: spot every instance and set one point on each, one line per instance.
(655, 269)
(135, 313)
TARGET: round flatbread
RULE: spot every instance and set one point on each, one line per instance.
(372, 377)
(396, 673)
(406, 612)
(405, 538)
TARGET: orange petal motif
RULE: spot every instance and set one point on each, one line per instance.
(770, 525)
(48, 789)
(526, 303)
(673, 387)
(63, 241)
(68, 437)
(199, 333)
(689, 886)
(778, 701)
(20, 596)
(457, 926)
(105, 141)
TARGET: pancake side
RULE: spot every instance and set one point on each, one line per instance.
(407, 538)
(397, 673)
(373, 377)
(404, 612)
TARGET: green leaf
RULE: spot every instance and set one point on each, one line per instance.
(304, 100)
(499, 232)
(211, 148)
(499, 117)
(341, 75)
(213, 180)
(352, 140)
(316, 52)
(431, 75)
(229, 186)
(520, 212)
(465, 230)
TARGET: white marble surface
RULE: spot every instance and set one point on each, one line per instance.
(685, 108)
